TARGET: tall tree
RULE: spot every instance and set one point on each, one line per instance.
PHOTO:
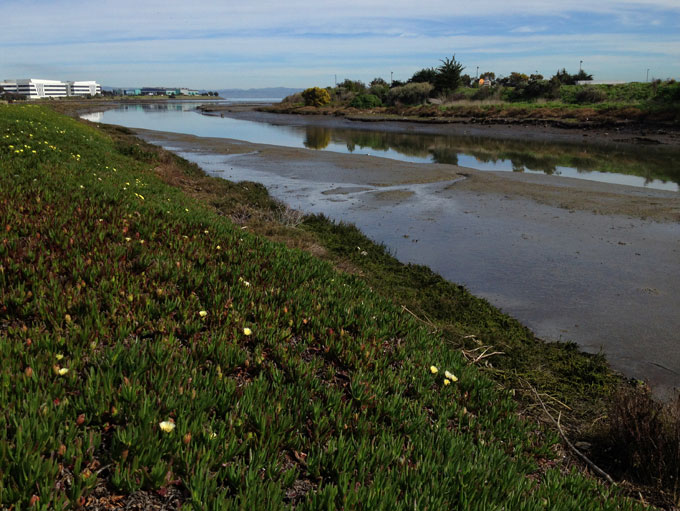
(448, 75)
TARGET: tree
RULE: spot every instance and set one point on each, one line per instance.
(582, 76)
(515, 79)
(448, 75)
(426, 75)
(378, 82)
(356, 86)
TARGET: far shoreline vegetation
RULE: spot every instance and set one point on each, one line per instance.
(444, 93)
(118, 257)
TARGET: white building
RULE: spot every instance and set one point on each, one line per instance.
(81, 88)
(34, 88)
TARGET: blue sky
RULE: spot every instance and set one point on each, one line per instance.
(299, 43)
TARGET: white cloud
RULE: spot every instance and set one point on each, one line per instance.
(290, 42)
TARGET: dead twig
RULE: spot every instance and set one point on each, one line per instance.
(428, 323)
(473, 357)
(567, 441)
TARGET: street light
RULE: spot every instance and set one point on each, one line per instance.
(580, 63)
(477, 76)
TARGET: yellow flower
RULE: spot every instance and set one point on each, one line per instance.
(167, 426)
(434, 370)
(59, 356)
(203, 314)
(63, 371)
(247, 331)
(450, 376)
(447, 382)
(218, 247)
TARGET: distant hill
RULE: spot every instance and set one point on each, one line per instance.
(269, 92)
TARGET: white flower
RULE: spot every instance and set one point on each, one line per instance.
(167, 426)
(450, 376)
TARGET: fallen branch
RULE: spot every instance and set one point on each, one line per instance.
(568, 442)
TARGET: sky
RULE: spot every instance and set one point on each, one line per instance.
(210, 44)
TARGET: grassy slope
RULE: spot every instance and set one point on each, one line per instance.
(329, 402)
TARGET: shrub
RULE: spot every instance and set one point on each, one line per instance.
(356, 86)
(410, 94)
(380, 91)
(316, 96)
(668, 93)
(293, 99)
(484, 93)
(582, 94)
(644, 438)
(366, 101)
(531, 90)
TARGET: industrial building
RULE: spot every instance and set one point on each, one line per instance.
(34, 88)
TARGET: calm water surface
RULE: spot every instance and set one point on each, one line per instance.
(607, 283)
(650, 167)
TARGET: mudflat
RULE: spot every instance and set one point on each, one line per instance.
(326, 166)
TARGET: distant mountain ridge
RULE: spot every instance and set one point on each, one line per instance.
(268, 92)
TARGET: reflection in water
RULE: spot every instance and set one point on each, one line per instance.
(318, 138)
(516, 155)
(643, 166)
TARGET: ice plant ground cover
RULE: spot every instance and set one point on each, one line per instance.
(302, 389)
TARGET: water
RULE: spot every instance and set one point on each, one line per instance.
(609, 283)
(648, 167)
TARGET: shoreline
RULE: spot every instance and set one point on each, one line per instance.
(598, 216)
(363, 173)
(532, 129)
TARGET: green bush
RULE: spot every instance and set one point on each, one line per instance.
(484, 93)
(668, 93)
(316, 96)
(582, 94)
(355, 86)
(410, 94)
(366, 101)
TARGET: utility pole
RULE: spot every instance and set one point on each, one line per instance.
(336, 80)
(391, 75)
(477, 75)
(580, 63)
(647, 74)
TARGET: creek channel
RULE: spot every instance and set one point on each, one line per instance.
(609, 282)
